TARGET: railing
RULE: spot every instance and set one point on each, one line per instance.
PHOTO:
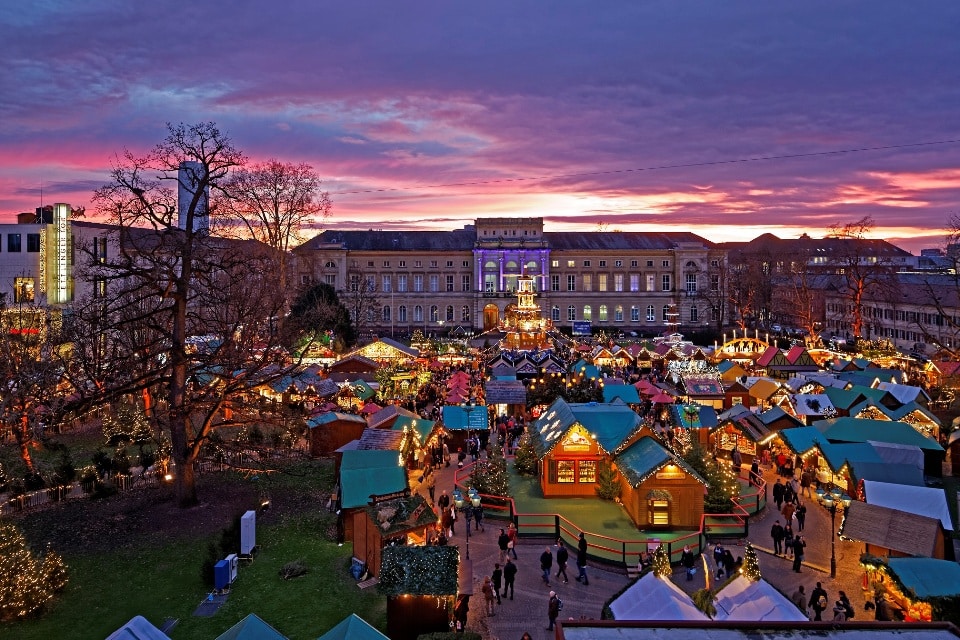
(626, 553)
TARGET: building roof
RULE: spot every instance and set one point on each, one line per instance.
(774, 414)
(505, 392)
(610, 423)
(138, 628)
(736, 630)
(860, 430)
(654, 598)
(367, 473)
(898, 531)
(353, 627)
(802, 439)
(251, 628)
(321, 419)
(644, 457)
(380, 440)
(927, 577)
(746, 600)
(626, 392)
(925, 501)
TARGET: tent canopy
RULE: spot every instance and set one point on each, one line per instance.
(745, 600)
(138, 628)
(653, 598)
(922, 501)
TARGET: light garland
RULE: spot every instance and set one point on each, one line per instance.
(27, 582)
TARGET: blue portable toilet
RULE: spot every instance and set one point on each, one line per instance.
(221, 575)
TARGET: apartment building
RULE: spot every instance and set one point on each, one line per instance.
(436, 280)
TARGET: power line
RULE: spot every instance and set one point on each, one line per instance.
(688, 165)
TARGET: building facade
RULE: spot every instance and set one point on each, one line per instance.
(437, 280)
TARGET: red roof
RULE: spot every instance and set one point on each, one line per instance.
(795, 352)
(767, 357)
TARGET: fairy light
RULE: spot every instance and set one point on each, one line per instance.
(27, 582)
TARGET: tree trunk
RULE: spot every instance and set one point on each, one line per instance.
(22, 434)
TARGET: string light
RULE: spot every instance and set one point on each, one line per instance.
(27, 582)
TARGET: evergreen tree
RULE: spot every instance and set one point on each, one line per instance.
(525, 457)
(608, 482)
(661, 563)
(490, 475)
(27, 582)
(703, 600)
(722, 486)
(751, 564)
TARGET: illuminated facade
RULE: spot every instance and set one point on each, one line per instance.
(437, 280)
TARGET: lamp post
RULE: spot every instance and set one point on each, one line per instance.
(831, 506)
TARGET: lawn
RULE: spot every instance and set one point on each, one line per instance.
(138, 554)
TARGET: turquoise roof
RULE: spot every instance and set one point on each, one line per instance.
(610, 423)
(909, 408)
(353, 627)
(706, 417)
(775, 413)
(422, 426)
(893, 473)
(251, 628)
(860, 430)
(626, 392)
(842, 398)
(645, 456)
(802, 439)
(455, 417)
(369, 472)
(333, 416)
(362, 390)
(724, 365)
(927, 577)
(837, 455)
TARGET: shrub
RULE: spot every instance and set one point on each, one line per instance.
(293, 569)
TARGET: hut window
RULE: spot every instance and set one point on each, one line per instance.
(565, 472)
(588, 471)
(659, 512)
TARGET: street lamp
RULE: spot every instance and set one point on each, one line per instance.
(833, 501)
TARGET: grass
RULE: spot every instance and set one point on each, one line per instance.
(153, 570)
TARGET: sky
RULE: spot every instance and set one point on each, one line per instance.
(728, 119)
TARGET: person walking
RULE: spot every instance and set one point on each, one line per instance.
(446, 522)
(582, 560)
(497, 579)
(553, 609)
(787, 513)
(776, 532)
(686, 559)
(443, 501)
(430, 482)
(788, 542)
(778, 494)
(818, 602)
(798, 545)
(806, 479)
(488, 597)
(546, 564)
(512, 535)
(478, 518)
(509, 577)
(801, 515)
(799, 598)
(562, 556)
(503, 542)
(453, 520)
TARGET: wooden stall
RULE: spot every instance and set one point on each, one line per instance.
(388, 521)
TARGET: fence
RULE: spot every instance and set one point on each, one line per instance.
(627, 553)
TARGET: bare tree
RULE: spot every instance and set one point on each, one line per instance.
(273, 201)
(360, 298)
(184, 316)
(861, 267)
(797, 293)
(714, 294)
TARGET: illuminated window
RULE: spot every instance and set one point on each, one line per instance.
(588, 471)
(618, 313)
(23, 289)
(565, 472)
(603, 313)
(587, 313)
(659, 512)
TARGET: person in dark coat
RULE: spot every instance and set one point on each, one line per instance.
(497, 578)
(562, 556)
(801, 515)
(553, 609)
(778, 494)
(777, 533)
(582, 560)
(798, 545)
(546, 564)
(818, 602)
(509, 577)
(503, 540)
(687, 559)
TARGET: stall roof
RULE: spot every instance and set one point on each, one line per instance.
(367, 473)
(653, 598)
(713, 630)
(505, 392)
(706, 417)
(251, 628)
(925, 501)
(773, 414)
(422, 426)
(838, 454)
(626, 392)
(928, 577)
(645, 456)
(905, 393)
(380, 440)
(333, 416)
(138, 628)
(610, 423)
(896, 473)
(892, 529)
(802, 439)
(861, 430)
(742, 599)
(353, 627)
(843, 398)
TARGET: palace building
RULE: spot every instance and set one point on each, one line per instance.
(435, 281)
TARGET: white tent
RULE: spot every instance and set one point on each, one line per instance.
(138, 628)
(893, 453)
(653, 598)
(922, 501)
(744, 600)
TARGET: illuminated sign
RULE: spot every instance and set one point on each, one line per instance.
(61, 275)
(671, 472)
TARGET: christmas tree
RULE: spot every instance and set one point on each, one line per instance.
(608, 482)
(525, 457)
(490, 476)
(27, 582)
(661, 563)
(751, 564)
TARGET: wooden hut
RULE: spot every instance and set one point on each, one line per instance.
(420, 584)
(660, 490)
(329, 431)
(887, 532)
(387, 521)
(736, 393)
(742, 429)
(363, 475)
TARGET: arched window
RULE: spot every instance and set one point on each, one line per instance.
(651, 313)
(402, 313)
(571, 313)
(386, 314)
(603, 313)
(694, 314)
(330, 264)
(465, 313)
(634, 313)
(418, 314)
(587, 312)
(555, 313)
(618, 313)
(490, 265)
(665, 314)
(434, 313)
(532, 266)
(449, 313)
